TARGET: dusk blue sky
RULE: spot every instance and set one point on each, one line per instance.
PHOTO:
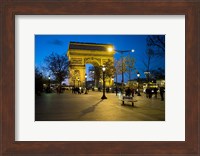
(46, 44)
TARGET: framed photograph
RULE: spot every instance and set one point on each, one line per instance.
(100, 78)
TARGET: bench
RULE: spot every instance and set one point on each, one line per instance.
(127, 99)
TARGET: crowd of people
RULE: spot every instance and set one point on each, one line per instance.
(149, 92)
(79, 90)
(128, 91)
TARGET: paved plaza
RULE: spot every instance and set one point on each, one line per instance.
(90, 107)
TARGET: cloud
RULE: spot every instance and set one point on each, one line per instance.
(56, 42)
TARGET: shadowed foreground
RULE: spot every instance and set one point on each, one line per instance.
(90, 107)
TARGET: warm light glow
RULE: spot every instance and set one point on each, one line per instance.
(132, 50)
(138, 75)
(103, 68)
(110, 49)
(146, 73)
(49, 78)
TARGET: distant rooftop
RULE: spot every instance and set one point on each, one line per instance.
(88, 46)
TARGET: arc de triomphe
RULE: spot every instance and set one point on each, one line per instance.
(80, 54)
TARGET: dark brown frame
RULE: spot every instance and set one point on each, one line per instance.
(10, 8)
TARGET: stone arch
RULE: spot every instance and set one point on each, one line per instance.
(80, 54)
(93, 61)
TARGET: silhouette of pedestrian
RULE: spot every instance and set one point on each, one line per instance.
(147, 92)
(155, 92)
(116, 90)
(150, 93)
(128, 92)
(162, 90)
(107, 90)
(57, 90)
(133, 92)
(79, 91)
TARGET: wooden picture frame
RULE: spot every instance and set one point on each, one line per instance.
(10, 8)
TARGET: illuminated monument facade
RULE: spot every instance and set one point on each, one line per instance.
(80, 54)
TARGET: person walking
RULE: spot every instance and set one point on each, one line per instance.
(155, 92)
(133, 92)
(147, 92)
(116, 90)
(73, 92)
(162, 91)
(150, 93)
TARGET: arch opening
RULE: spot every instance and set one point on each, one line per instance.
(82, 54)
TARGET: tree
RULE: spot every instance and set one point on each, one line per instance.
(154, 55)
(57, 65)
(130, 65)
(110, 69)
(117, 64)
(157, 43)
(121, 65)
(147, 61)
(159, 73)
(148, 57)
(125, 65)
(38, 81)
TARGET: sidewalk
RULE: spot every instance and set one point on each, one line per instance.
(90, 107)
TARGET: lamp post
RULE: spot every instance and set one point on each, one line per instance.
(49, 88)
(147, 74)
(110, 49)
(138, 75)
(85, 83)
(129, 70)
(93, 78)
(104, 96)
(78, 82)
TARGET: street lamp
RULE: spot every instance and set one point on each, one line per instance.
(147, 74)
(93, 78)
(74, 83)
(49, 84)
(110, 49)
(85, 83)
(138, 75)
(104, 96)
(78, 82)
